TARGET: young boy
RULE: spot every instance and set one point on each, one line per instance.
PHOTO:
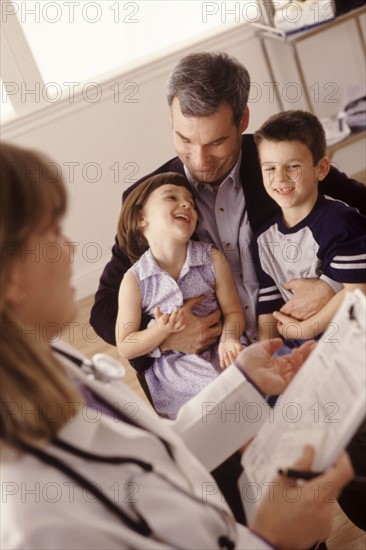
(313, 236)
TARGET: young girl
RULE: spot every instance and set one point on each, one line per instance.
(156, 223)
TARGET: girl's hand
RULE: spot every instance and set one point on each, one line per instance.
(228, 352)
(175, 322)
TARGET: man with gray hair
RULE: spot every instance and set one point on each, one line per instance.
(204, 82)
(208, 95)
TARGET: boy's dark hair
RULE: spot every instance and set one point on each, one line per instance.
(129, 235)
(295, 126)
(205, 81)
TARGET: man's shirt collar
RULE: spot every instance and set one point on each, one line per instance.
(233, 176)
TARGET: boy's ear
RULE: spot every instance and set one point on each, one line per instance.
(323, 167)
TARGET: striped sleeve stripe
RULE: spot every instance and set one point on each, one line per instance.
(356, 261)
(269, 294)
(357, 257)
(270, 297)
(267, 289)
(348, 266)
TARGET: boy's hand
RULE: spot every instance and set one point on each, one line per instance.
(173, 322)
(291, 329)
(288, 327)
(228, 352)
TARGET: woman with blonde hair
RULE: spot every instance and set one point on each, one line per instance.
(33, 202)
(72, 479)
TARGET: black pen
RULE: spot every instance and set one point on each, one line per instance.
(307, 475)
(298, 474)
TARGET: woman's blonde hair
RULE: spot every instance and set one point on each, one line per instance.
(37, 398)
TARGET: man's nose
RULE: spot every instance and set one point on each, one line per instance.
(199, 157)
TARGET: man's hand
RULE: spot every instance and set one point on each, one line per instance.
(299, 514)
(310, 296)
(199, 334)
(272, 374)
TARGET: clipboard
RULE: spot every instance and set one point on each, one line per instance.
(323, 406)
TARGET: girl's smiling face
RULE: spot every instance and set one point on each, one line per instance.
(169, 210)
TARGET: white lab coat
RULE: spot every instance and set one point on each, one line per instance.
(41, 508)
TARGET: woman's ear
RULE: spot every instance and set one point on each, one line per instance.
(142, 222)
(323, 168)
(14, 293)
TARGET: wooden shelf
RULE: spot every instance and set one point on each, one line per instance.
(349, 140)
(305, 33)
(292, 39)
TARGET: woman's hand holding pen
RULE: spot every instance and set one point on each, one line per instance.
(290, 510)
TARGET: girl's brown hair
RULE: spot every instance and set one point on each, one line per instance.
(129, 235)
(36, 396)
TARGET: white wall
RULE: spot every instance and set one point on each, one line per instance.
(131, 132)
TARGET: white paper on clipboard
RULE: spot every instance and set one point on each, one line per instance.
(323, 406)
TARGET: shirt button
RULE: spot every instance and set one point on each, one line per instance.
(227, 245)
(221, 210)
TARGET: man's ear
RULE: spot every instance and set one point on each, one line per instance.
(323, 168)
(244, 121)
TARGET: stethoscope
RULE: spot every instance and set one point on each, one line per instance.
(101, 366)
(105, 368)
(138, 525)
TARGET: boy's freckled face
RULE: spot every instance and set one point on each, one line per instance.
(289, 175)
